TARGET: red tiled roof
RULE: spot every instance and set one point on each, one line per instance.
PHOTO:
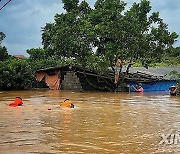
(19, 56)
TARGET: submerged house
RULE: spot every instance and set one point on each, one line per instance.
(74, 78)
(163, 75)
(77, 78)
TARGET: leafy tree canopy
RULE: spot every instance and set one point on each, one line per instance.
(108, 31)
(15, 74)
(2, 36)
(3, 51)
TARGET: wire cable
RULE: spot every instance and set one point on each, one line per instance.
(5, 4)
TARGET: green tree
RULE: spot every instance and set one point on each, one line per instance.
(37, 53)
(108, 31)
(175, 52)
(70, 5)
(15, 74)
(68, 37)
(40, 59)
(3, 51)
(133, 35)
(107, 22)
(2, 36)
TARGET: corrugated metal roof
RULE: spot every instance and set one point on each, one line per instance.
(157, 71)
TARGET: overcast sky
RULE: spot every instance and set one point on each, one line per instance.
(21, 20)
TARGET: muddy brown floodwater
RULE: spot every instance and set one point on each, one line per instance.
(100, 123)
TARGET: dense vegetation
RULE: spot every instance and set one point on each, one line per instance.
(176, 76)
(94, 38)
(108, 31)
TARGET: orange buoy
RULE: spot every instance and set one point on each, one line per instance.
(67, 103)
(17, 102)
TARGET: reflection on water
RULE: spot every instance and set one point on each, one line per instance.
(99, 123)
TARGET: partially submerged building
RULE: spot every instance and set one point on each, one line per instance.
(164, 81)
(77, 78)
(74, 78)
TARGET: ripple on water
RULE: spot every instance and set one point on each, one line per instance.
(99, 123)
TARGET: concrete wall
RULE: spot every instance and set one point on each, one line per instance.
(71, 82)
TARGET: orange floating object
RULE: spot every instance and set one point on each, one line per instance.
(17, 102)
(67, 103)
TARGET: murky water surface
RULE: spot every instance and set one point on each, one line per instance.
(99, 123)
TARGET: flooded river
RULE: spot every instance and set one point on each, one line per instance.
(100, 123)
